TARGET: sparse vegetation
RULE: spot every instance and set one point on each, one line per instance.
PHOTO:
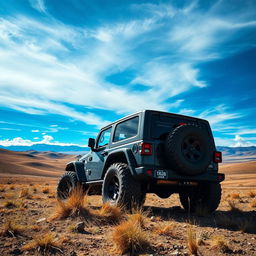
(11, 228)
(46, 190)
(192, 241)
(138, 215)
(235, 195)
(24, 193)
(166, 229)
(220, 243)
(75, 205)
(111, 213)
(233, 207)
(10, 204)
(46, 243)
(252, 194)
(129, 237)
(253, 203)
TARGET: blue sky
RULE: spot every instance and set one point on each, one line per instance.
(68, 68)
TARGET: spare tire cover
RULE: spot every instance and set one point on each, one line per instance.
(189, 149)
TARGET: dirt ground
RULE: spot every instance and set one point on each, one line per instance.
(28, 204)
(234, 223)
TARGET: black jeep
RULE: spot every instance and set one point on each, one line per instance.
(150, 152)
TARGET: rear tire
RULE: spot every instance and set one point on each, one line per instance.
(66, 185)
(205, 198)
(121, 189)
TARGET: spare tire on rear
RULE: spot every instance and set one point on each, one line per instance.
(188, 149)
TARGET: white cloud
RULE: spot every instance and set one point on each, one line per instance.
(18, 141)
(241, 142)
(35, 131)
(219, 114)
(38, 5)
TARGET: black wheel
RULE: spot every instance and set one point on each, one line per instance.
(66, 184)
(120, 188)
(188, 149)
(205, 197)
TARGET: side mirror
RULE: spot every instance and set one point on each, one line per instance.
(91, 143)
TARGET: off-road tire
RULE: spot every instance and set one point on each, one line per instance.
(66, 184)
(205, 198)
(188, 149)
(127, 193)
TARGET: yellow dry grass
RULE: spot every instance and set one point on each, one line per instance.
(192, 241)
(75, 205)
(129, 237)
(252, 194)
(24, 193)
(233, 207)
(166, 229)
(235, 195)
(45, 243)
(11, 228)
(253, 203)
(111, 213)
(220, 243)
(138, 215)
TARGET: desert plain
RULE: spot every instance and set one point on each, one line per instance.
(33, 222)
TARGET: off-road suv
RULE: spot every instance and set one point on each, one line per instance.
(150, 152)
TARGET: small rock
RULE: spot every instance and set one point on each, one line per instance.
(41, 220)
(80, 227)
(16, 251)
(73, 253)
(152, 218)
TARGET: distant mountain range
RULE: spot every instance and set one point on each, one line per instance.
(74, 150)
(77, 150)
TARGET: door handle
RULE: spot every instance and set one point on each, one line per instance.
(104, 153)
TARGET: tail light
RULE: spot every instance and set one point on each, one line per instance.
(217, 158)
(146, 149)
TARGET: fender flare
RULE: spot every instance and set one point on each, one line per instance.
(78, 168)
(127, 153)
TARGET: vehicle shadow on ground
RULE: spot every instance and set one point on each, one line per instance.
(230, 220)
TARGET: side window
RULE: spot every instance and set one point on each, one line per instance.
(126, 129)
(104, 138)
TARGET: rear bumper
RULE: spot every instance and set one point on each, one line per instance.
(143, 173)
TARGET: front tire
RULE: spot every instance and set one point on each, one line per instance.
(120, 188)
(66, 185)
(206, 197)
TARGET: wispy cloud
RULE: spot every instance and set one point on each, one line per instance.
(47, 139)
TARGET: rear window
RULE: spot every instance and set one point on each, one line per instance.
(126, 129)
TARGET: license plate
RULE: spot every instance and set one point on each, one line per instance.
(160, 174)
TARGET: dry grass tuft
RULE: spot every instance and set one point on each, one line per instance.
(220, 243)
(75, 205)
(253, 203)
(46, 190)
(24, 193)
(166, 229)
(235, 196)
(129, 237)
(192, 241)
(233, 207)
(252, 194)
(10, 204)
(2, 188)
(47, 243)
(11, 228)
(139, 216)
(111, 213)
